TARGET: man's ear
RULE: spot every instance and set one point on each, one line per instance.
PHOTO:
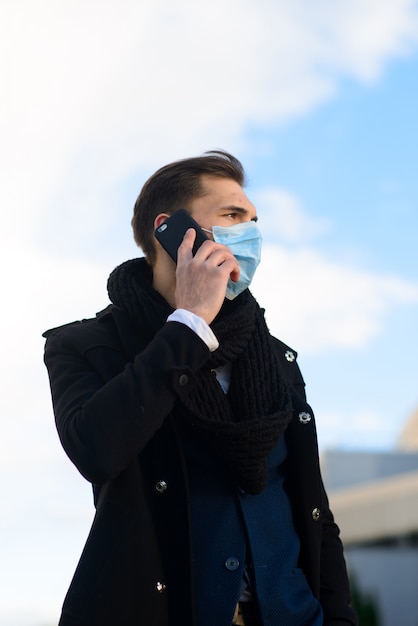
(161, 217)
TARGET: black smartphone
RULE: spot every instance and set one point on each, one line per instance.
(171, 232)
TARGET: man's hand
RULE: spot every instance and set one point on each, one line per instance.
(201, 279)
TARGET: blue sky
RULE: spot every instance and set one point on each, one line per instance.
(319, 101)
(352, 164)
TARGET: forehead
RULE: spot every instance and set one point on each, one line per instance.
(219, 193)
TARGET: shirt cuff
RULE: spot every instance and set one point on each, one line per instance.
(197, 324)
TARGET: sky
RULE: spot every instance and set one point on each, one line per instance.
(317, 98)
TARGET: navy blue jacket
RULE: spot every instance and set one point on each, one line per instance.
(112, 396)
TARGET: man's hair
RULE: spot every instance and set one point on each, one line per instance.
(173, 186)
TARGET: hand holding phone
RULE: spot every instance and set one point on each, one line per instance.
(170, 233)
(200, 282)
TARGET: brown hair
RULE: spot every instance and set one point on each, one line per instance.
(173, 186)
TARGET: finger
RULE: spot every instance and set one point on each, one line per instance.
(214, 252)
(235, 274)
(186, 246)
(233, 268)
(220, 256)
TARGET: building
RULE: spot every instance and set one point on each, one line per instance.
(374, 497)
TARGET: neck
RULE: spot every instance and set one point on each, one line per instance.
(164, 279)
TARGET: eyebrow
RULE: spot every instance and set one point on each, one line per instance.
(238, 209)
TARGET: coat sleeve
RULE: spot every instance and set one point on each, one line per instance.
(105, 418)
(335, 594)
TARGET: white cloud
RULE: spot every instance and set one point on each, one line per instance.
(317, 304)
(357, 37)
(38, 292)
(313, 301)
(362, 429)
(94, 90)
(284, 219)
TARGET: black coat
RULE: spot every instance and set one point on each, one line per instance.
(112, 398)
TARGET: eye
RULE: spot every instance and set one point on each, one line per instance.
(241, 215)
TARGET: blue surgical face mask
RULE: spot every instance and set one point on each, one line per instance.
(244, 241)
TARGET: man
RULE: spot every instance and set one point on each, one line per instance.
(191, 423)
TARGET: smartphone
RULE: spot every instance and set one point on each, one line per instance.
(171, 232)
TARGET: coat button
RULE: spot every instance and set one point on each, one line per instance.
(304, 417)
(161, 486)
(232, 563)
(316, 514)
(183, 380)
(160, 587)
(289, 356)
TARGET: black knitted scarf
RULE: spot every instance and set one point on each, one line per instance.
(239, 428)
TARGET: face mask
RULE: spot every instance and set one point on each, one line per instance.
(244, 241)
